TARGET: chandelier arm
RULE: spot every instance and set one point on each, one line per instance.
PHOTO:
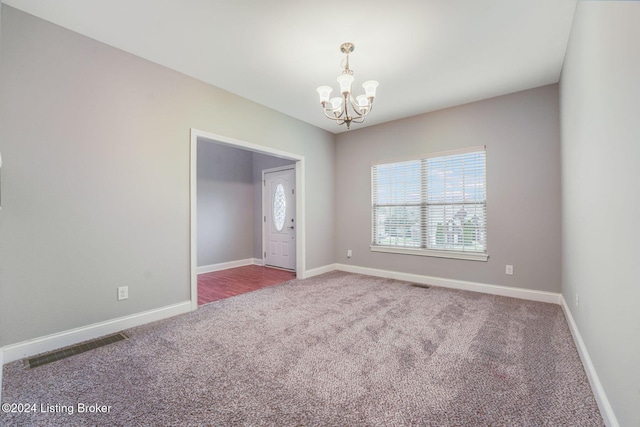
(370, 107)
(334, 117)
(361, 117)
(355, 107)
(348, 99)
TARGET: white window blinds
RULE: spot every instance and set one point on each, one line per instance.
(433, 204)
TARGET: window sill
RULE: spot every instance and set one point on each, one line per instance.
(432, 253)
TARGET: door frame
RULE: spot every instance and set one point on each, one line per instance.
(202, 137)
(264, 213)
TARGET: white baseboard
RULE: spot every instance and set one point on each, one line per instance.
(257, 261)
(320, 270)
(528, 294)
(227, 265)
(55, 341)
(596, 386)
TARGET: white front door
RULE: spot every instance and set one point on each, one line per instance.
(279, 207)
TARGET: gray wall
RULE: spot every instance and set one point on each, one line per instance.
(95, 181)
(225, 204)
(600, 116)
(521, 133)
(259, 163)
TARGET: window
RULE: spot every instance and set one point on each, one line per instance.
(433, 205)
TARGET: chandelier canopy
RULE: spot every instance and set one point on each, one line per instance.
(344, 109)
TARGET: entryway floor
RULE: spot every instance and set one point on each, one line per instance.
(235, 281)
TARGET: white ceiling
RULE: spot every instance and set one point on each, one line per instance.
(426, 54)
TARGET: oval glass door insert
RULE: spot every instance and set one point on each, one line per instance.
(279, 207)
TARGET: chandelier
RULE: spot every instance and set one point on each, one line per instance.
(344, 109)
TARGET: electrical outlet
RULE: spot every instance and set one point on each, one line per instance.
(123, 293)
(349, 253)
(509, 270)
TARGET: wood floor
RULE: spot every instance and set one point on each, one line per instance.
(235, 281)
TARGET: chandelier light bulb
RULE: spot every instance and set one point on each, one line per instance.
(324, 92)
(363, 103)
(345, 81)
(336, 105)
(370, 87)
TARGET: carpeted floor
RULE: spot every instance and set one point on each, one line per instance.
(335, 350)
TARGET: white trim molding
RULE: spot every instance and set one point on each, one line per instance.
(469, 256)
(505, 291)
(58, 340)
(227, 265)
(321, 270)
(596, 386)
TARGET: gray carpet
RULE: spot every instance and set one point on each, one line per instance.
(334, 350)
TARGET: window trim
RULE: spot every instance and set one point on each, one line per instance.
(438, 253)
(469, 256)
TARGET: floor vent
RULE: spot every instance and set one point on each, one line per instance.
(63, 353)
(415, 285)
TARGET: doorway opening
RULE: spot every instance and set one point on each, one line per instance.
(293, 162)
